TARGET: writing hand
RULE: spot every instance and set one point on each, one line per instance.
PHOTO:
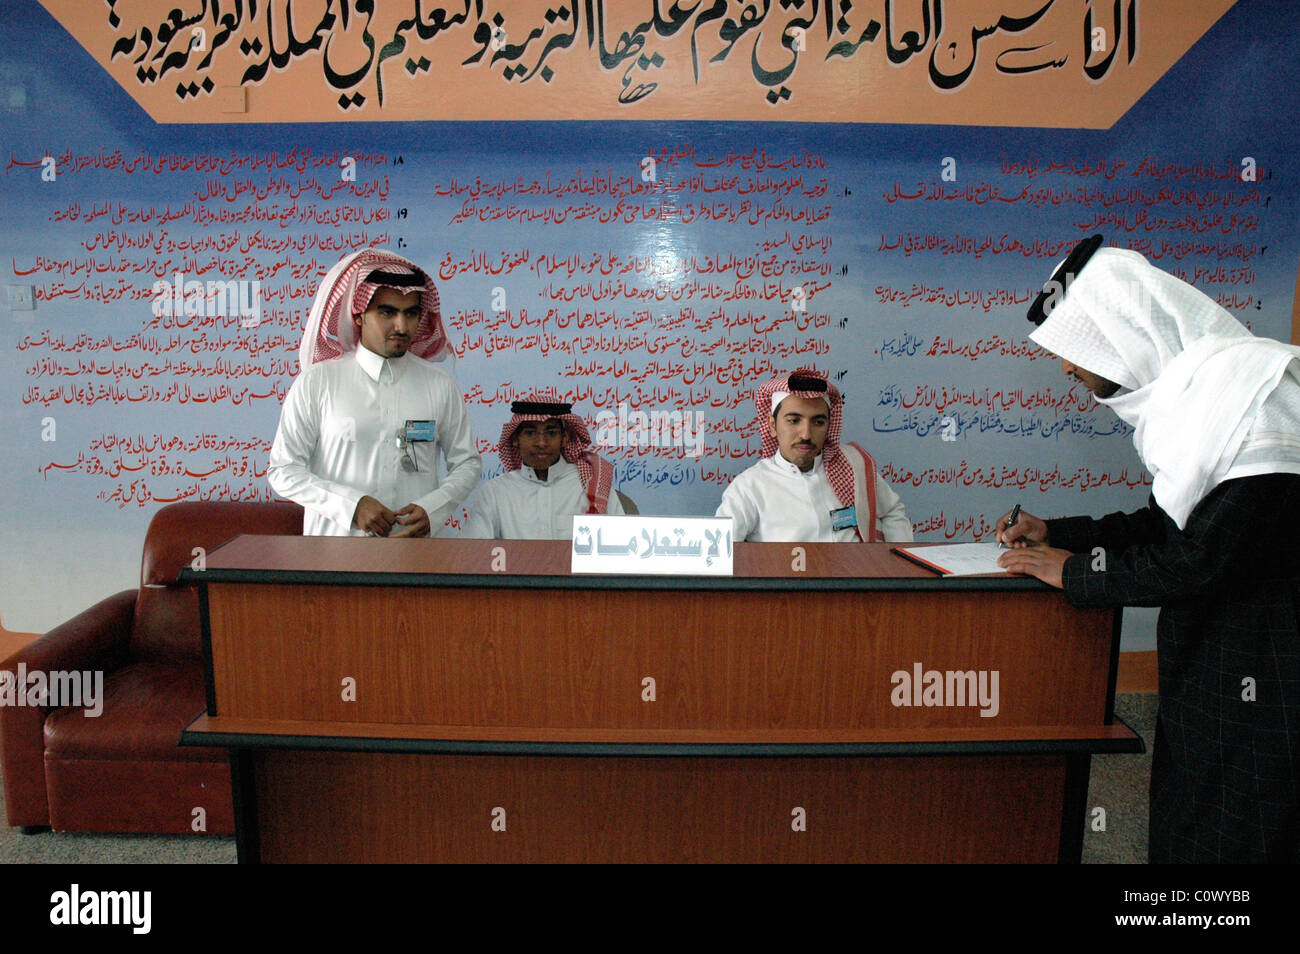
(414, 521)
(1027, 531)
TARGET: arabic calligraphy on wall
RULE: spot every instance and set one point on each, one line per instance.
(989, 62)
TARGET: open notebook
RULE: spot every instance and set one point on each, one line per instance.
(956, 559)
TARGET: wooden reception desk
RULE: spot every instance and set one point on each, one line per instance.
(462, 700)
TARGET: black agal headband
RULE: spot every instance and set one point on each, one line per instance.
(394, 280)
(806, 382)
(541, 407)
(1056, 288)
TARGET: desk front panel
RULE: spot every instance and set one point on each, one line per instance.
(540, 657)
(350, 807)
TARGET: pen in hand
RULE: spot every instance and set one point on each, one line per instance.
(1011, 522)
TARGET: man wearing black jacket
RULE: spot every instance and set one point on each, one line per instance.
(1216, 413)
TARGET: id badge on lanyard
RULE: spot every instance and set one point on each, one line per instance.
(414, 432)
(846, 518)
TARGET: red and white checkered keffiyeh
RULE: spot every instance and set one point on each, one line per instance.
(596, 473)
(839, 470)
(345, 292)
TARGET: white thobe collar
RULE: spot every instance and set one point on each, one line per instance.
(553, 473)
(373, 364)
(792, 470)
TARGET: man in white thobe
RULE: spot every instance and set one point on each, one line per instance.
(370, 417)
(551, 475)
(807, 488)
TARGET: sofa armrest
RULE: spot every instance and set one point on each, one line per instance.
(97, 639)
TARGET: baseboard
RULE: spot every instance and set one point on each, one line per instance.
(1137, 673)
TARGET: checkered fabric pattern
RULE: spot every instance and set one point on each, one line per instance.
(838, 469)
(344, 293)
(596, 473)
(1225, 780)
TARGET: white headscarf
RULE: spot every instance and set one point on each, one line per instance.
(1208, 400)
(347, 290)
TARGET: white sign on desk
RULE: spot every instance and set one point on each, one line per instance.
(679, 546)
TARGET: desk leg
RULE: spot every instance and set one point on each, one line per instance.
(247, 839)
(1074, 808)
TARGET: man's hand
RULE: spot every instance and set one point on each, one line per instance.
(1029, 531)
(414, 521)
(1044, 562)
(373, 517)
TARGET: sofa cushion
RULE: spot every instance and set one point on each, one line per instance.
(146, 704)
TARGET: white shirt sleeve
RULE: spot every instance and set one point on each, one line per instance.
(484, 521)
(517, 505)
(891, 518)
(741, 508)
(289, 468)
(464, 465)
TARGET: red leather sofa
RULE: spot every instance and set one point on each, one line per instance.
(123, 770)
